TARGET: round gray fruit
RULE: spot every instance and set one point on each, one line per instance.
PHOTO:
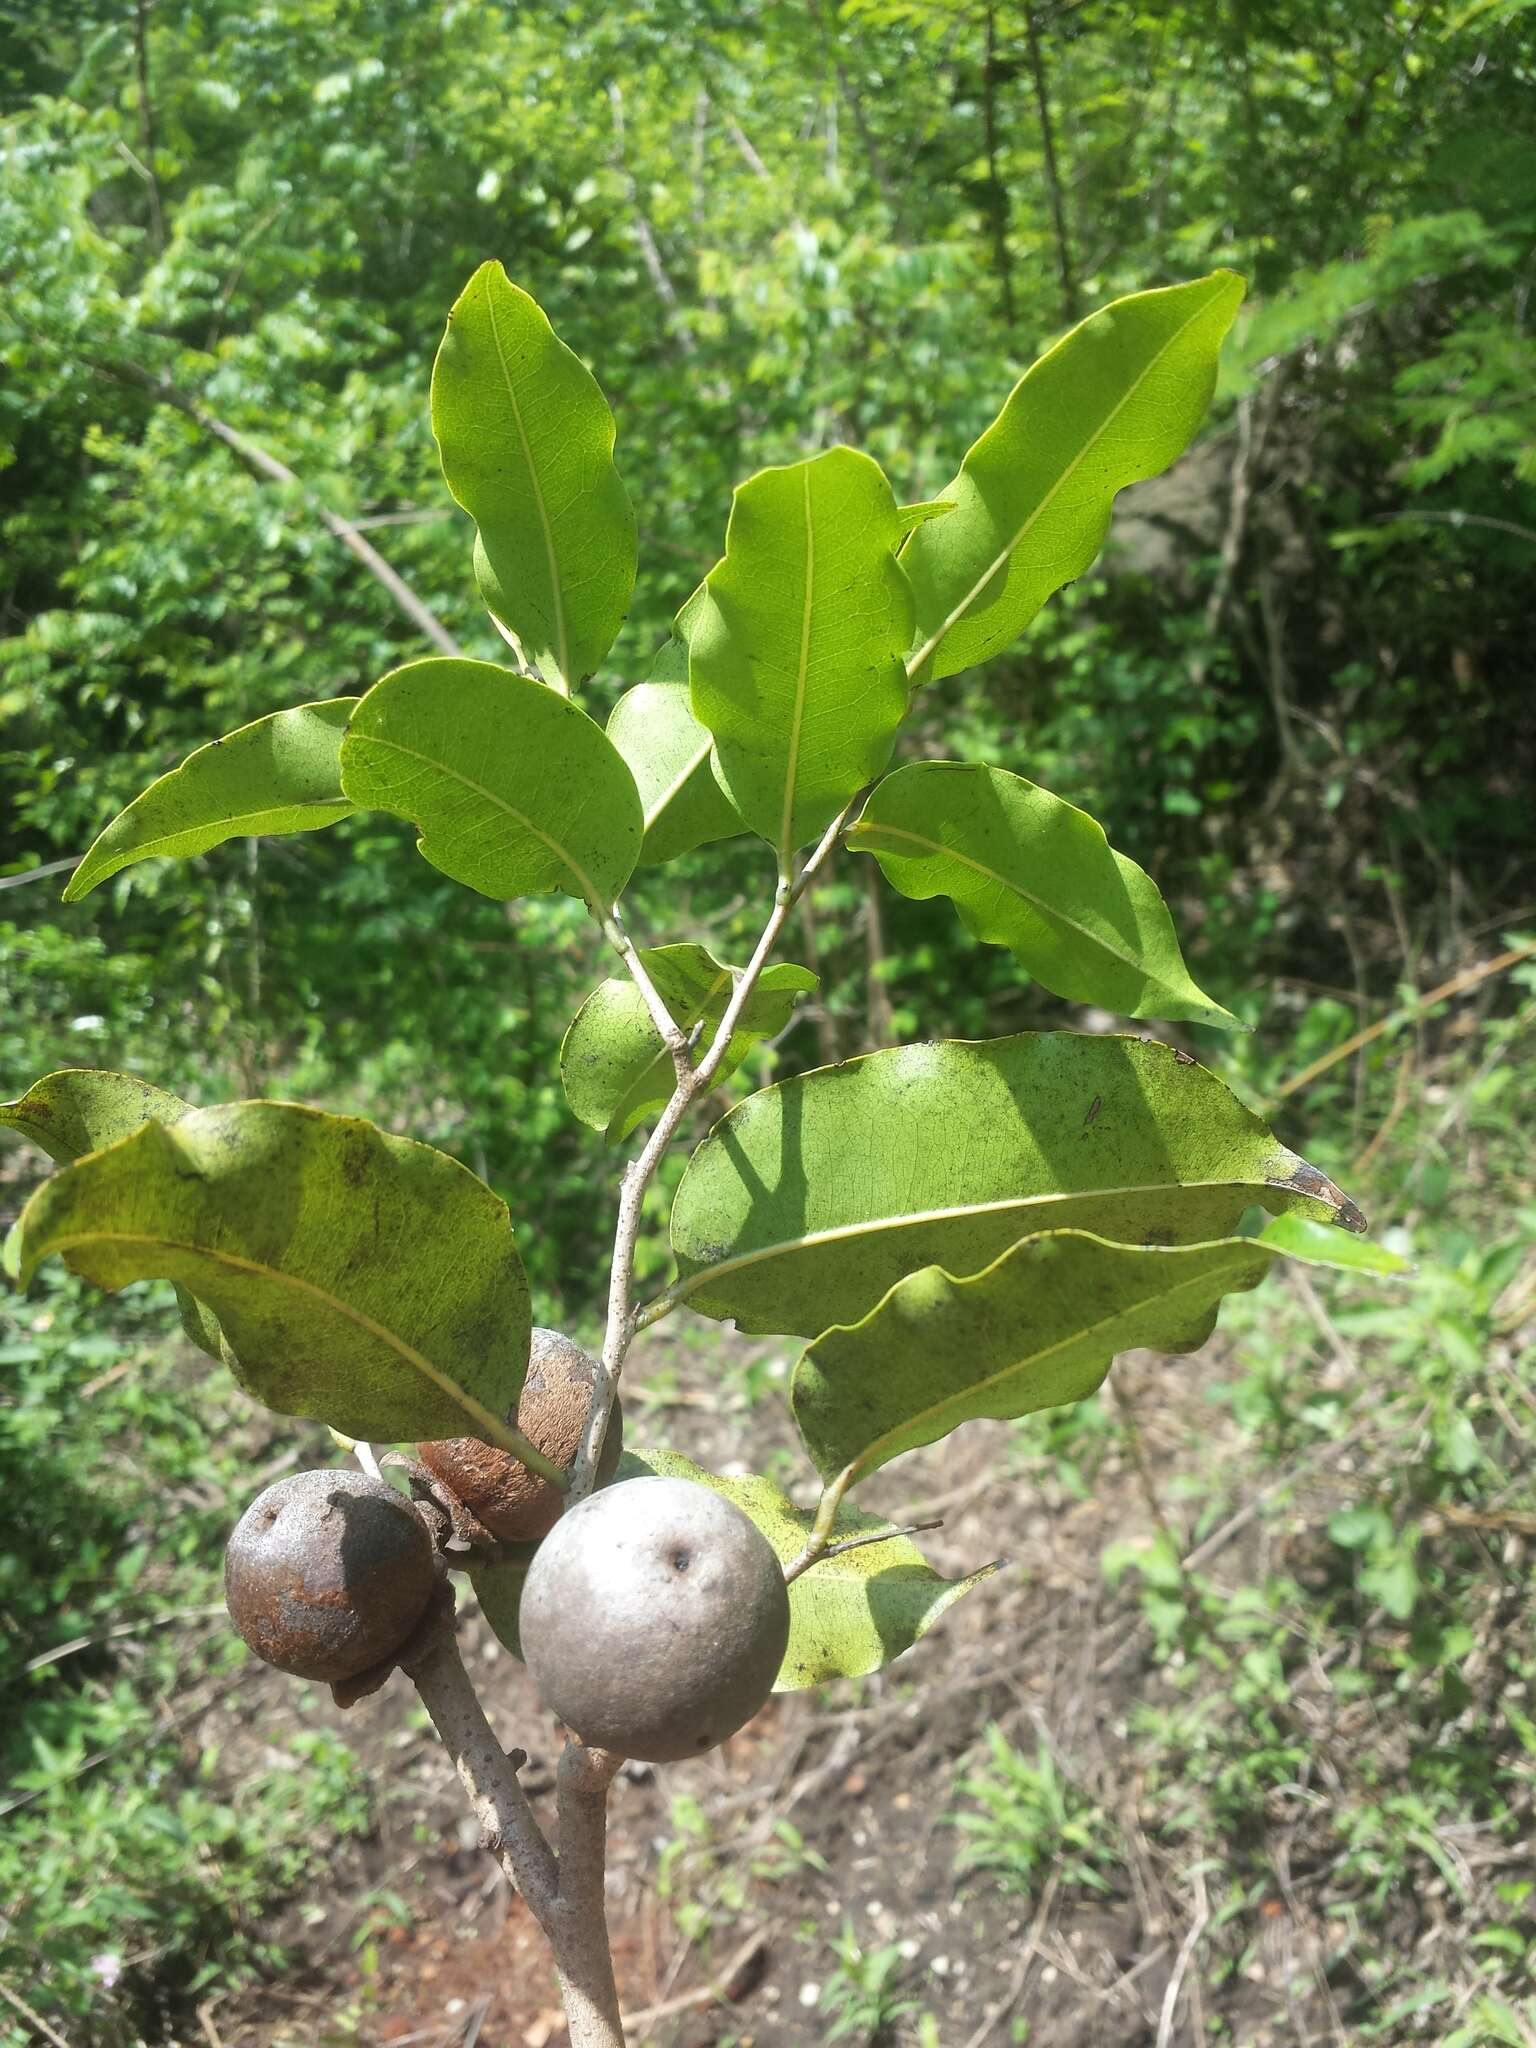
(327, 1573)
(654, 1619)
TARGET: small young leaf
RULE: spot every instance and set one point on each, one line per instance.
(1036, 1329)
(668, 752)
(511, 787)
(848, 1615)
(795, 648)
(364, 1280)
(614, 1066)
(82, 1109)
(1114, 401)
(526, 440)
(812, 1198)
(1037, 875)
(278, 775)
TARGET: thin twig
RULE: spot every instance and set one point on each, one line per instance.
(692, 1082)
(793, 1570)
(1457, 985)
(1182, 1961)
(33, 2019)
(267, 467)
(718, 1990)
(124, 1628)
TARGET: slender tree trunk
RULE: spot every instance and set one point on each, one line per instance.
(878, 1000)
(997, 191)
(147, 120)
(1053, 191)
(827, 1048)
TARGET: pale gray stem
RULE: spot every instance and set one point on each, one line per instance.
(692, 1081)
(507, 1824)
(673, 1037)
(564, 1893)
(582, 1952)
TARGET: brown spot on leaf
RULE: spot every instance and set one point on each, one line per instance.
(1305, 1179)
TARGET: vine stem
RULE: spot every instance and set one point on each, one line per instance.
(692, 1082)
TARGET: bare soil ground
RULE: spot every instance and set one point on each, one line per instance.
(866, 1774)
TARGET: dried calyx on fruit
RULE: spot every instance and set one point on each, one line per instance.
(328, 1573)
(654, 1619)
(511, 1503)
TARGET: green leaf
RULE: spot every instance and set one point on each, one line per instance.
(1115, 401)
(614, 1066)
(795, 648)
(512, 788)
(814, 1197)
(1321, 1244)
(848, 1615)
(914, 516)
(83, 1109)
(364, 1280)
(278, 775)
(668, 752)
(1037, 875)
(526, 440)
(1036, 1329)
(499, 1590)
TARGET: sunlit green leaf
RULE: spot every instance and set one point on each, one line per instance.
(614, 1066)
(1114, 401)
(513, 789)
(814, 1197)
(796, 643)
(364, 1280)
(1037, 875)
(81, 1109)
(668, 751)
(526, 439)
(278, 775)
(1036, 1329)
(848, 1615)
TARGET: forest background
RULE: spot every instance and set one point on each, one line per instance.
(1296, 688)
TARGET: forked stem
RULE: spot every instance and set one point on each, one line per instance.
(565, 1892)
(692, 1082)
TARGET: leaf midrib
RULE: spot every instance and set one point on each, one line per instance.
(867, 1461)
(679, 782)
(935, 640)
(797, 716)
(562, 652)
(588, 888)
(360, 1317)
(783, 1247)
(991, 874)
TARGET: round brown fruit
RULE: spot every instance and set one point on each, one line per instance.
(327, 1573)
(654, 1619)
(514, 1504)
